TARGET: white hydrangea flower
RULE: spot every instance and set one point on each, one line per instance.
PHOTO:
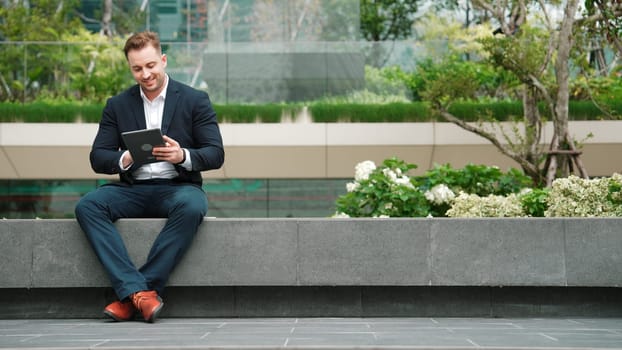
(404, 181)
(352, 186)
(396, 177)
(363, 170)
(389, 173)
(440, 194)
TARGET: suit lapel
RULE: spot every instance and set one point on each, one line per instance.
(138, 109)
(172, 94)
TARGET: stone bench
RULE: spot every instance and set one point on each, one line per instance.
(332, 267)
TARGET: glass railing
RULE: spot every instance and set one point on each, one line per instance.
(228, 198)
(231, 72)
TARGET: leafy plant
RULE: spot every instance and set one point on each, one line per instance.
(388, 190)
(534, 202)
(574, 196)
(482, 180)
(384, 191)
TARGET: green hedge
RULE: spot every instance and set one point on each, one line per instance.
(69, 112)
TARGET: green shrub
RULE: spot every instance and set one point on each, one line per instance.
(534, 202)
(67, 111)
(384, 191)
(388, 190)
(574, 196)
(391, 112)
(472, 205)
(269, 113)
(482, 180)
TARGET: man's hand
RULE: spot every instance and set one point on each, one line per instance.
(171, 152)
(127, 160)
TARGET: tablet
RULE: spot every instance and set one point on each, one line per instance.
(140, 143)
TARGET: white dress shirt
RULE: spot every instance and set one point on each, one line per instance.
(153, 118)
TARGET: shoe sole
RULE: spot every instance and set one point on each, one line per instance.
(155, 313)
(114, 317)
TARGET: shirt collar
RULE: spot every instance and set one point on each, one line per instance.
(162, 93)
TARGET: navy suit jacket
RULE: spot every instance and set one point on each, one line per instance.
(188, 118)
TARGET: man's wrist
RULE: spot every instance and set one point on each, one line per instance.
(183, 160)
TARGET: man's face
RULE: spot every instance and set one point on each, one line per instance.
(147, 66)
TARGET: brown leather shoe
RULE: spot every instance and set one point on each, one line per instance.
(120, 311)
(149, 303)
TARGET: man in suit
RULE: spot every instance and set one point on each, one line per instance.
(169, 188)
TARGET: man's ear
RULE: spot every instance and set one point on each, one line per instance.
(164, 60)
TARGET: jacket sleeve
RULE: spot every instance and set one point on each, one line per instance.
(106, 150)
(207, 152)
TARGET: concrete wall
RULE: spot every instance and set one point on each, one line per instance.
(332, 268)
(334, 252)
(300, 149)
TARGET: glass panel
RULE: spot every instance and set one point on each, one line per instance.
(253, 198)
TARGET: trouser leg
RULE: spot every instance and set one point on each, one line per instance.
(96, 213)
(185, 206)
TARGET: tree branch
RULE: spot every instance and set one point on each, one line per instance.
(527, 166)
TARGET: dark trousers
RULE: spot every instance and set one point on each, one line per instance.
(185, 207)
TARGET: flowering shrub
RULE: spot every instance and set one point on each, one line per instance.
(574, 196)
(476, 179)
(472, 205)
(388, 191)
(385, 191)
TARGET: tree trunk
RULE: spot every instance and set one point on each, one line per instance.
(107, 19)
(562, 74)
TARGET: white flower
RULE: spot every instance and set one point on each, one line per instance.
(404, 181)
(388, 206)
(390, 174)
(440, 194)
(340, 215)
(352, 186)
(363, 170)
(393, 176)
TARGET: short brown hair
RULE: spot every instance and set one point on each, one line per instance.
(140, 40)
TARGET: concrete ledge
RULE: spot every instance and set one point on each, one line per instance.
(533, 252)
(332, 268)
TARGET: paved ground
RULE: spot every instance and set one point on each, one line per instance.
(315, 333)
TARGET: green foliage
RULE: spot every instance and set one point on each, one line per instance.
(389, 191)
(270, 113)
(482, 180)
(387, 19)
(56, 111)
(389, 81)
(577, 197)
(50, 108)
(456, 79)
(473, 206)
(96, 70)
(39, 21)
(534, 202)
(385, 191)
(391, 112)
(521, 54)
